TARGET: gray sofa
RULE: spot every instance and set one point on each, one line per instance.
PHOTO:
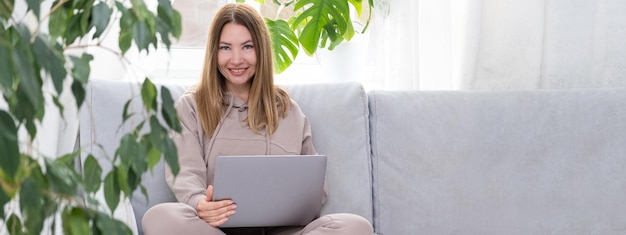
(438, 162)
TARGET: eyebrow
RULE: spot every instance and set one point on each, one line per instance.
(244, 43)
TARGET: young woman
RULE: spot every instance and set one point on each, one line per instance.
(235, 109)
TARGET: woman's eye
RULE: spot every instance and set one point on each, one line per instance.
(247, 47)
(224, 48)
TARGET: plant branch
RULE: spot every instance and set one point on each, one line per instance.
(369, 18)
(99, 46)
(281, 6)
(54, 8)
(287, 3)
(6, 185)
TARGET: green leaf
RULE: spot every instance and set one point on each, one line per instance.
(127, 149)
(168, 22)
(126, 23)
(6, 65)
(81, 68)
(28, 73)
(358, 6)
(127, 179)
(154, 156)
(4, 198)
(36, 174)
(31, 206)
(176, 24)
(51, 58)
(124, 40)
(335, 39)
(101, 15)
(141, 35)
(30, 127)
(59, 105)
(140, 9)
(14, 225)
(157, 132)
(62, 178)
(111, 190)
(35, 6)
(168, 110)
(125, 114)
(133, 179)
(78, 20)
(318, 14)
(148, 95)
(57, 24)
(164, 32)
(75, 221)
(171, 155)
(73, 30)
(10, 159)
(50, 207)
(133, 163)
(170, 17)
(132, 154)
(285, 44)
(78, 89)
(122, 178)
(93, 174)
(144, 28)
(67, 159)
(85, 6)
(28, 103)
(107, 225)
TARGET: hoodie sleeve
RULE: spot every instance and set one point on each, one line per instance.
(189, 186)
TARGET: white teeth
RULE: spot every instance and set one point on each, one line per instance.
(237, 70)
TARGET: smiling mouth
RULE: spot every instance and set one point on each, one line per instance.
(237, 70)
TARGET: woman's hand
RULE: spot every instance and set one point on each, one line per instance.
(215, 213)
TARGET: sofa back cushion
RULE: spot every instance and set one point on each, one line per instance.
(338, 114)
(517, 162)
(339, 118)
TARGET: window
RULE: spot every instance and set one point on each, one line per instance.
(349, 61)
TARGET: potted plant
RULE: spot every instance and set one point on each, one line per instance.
(39, 47)
(315, 24)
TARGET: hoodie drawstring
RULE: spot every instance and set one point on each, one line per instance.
(240, 109)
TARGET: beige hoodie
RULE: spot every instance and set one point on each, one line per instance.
(197, 153)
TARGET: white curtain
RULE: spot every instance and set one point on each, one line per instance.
(500, 44)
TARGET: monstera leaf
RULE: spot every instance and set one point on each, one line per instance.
(322, 22)
(284, 44)
(315, 24)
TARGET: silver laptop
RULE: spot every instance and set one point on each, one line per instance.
(271, 190)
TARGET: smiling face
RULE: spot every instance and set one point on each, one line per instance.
(236, 59)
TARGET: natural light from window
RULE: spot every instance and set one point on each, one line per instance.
(348, 62)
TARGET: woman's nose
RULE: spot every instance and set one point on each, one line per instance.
(237, 57)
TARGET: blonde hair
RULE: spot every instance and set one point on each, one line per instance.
(266, 102)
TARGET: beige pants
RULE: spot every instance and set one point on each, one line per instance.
(180, 218)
